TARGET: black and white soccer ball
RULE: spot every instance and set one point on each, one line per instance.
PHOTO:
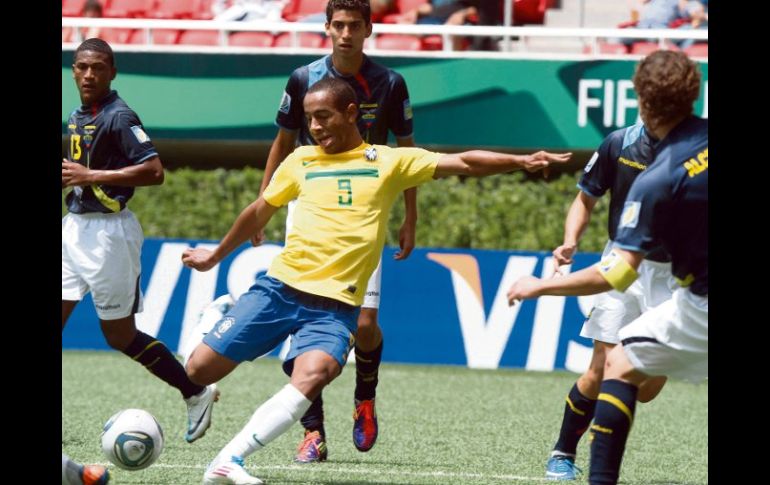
(132, 439)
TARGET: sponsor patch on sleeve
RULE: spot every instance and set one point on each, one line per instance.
(591, 162)
(285, 103)
(407, 110)
(140, 134)
(630, 216)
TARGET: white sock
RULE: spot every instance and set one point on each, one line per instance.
(268, 422)
(70, 471)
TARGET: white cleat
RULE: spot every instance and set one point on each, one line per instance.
(199, 409)
(229, 472)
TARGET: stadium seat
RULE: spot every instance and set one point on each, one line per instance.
(159, 36)
(529, 11)
(698, 50)
(399, 42)
(643, 48)
(202, 10)
(199, 37)
(302, 8)
(432, 43)
(305, 39)
(402, 6)
(607, 48)
(173, 9)
(115, 36)
(66, 34)
(251, 39)
(128, 8)
(72, 8)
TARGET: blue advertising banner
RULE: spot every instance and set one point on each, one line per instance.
(440, 306)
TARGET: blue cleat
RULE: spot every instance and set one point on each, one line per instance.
(561, 467)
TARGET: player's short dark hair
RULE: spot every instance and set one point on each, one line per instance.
(356, 5)
(667, 84)
(342, 94)
(96, 45)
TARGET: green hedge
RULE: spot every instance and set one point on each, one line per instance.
(499, 212)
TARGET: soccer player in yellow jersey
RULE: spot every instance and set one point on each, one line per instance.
(314, 288)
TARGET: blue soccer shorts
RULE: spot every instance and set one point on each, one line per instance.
(270, 311)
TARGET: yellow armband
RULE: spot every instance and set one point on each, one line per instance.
(616, 270)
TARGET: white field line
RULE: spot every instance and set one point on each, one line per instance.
(368, 470)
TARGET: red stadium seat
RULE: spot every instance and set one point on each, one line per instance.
(432, 43)
(66, 34)
(529, 11)
(643, 48)
(399, 42)
(402, 6)
(173, 9)
(128, 8)
(202, 9)
(199, 37)
(159, 36)
(115, 36)
(698, 50)
(305, 39)
(72, 8)
(608, 48)
(302, 8)
(251, 39)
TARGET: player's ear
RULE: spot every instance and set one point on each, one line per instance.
(351, 112)
(368, 29)
(113, 73)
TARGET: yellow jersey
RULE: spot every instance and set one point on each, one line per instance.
(340, 220)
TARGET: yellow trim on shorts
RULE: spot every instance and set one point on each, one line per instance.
(616, 270)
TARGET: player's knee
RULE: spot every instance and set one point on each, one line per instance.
(316, 378)
(594, 374)
(197, 372)
(118, 340)
(367, 320)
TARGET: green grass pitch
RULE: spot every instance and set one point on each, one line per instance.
(438, 425)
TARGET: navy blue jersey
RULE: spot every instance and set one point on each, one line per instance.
(383, 100)
(623, 155)
(668, 204)
(105, 136)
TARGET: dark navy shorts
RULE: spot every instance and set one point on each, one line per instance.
(270, 311)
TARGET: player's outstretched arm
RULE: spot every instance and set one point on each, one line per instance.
(480, 163)
(251, 220)
(615, 271)
(149, 172)
(578, 217)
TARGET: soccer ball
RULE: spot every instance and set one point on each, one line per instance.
(132, 439)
